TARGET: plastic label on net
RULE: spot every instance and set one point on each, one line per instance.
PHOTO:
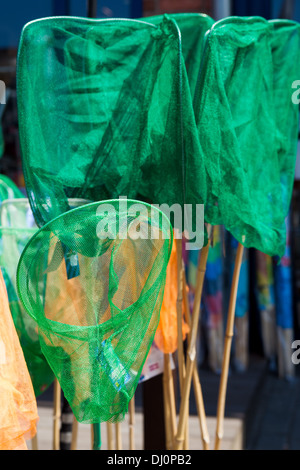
(113, 367)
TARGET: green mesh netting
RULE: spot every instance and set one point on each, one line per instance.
(285, 45)
(193, 27)
(235, 115)
(16, 228)
(93, 281)
(90, 132)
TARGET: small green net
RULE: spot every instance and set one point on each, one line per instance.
(16, 228)
(93, 280)
(235, 116)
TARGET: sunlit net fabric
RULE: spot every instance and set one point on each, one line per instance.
(155, 141)
(110, 261)
(166, 336)
(18, 411)
(235, 114)
(99, 104)
(285, 44)
(17, 226)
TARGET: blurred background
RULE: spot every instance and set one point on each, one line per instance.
(268, 304)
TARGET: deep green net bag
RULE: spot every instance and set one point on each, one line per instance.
(156, 141)
(192, 27)
(109, 261)
(101, 112)
(16, 228)
(285, 46)
(235, 116)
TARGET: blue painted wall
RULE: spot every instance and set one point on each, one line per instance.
(16, 13)
(269, 9)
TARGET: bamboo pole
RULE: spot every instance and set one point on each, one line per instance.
(200, 409)
(227, 347)
(34, 443)
(196, 380)
(92, 436)
(181, 359)
(169, 403)
(131, 423)
(118, 436)
(191, 356)
(167, 410)
(181, 364)
(56, 413)
(110, 445)
(74, 434)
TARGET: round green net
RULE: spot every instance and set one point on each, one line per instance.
(93, 281)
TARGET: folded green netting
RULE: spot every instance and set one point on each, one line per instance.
(93, 281)
(16, 228)
(285, 44)
(235, 114)
(8, 189)
(193, 27)
(100, 107)
(91, 132)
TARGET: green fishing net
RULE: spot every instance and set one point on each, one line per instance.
(235, 116)
(16, 228)
(98, 105)
(91, 132)
(93, 281)
(285, 45)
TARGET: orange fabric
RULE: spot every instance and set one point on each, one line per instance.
(166, 336)
(18, 410)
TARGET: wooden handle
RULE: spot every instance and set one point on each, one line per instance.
(227, 347)
(191, 356)
(56, 413)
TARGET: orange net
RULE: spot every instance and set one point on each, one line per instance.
(166, 336)
(18, 411)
